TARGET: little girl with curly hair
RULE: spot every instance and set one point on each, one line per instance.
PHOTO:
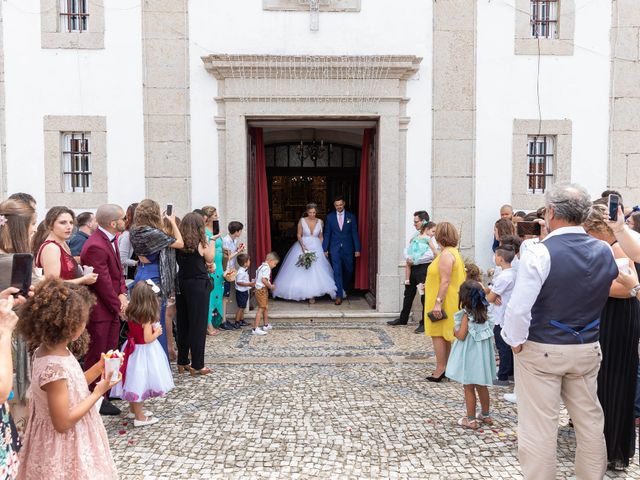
(65, 437)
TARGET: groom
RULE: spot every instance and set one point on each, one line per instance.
(342, 243)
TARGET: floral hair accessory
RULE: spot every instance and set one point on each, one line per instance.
(3, 220)
(155, 288)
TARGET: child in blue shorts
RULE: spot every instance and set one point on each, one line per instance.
(243, 286)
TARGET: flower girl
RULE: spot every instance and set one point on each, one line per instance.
(145, 372)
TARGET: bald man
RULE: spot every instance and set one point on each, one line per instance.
(100, 251)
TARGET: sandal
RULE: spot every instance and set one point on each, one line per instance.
(486, 418)
(184, 368)
(466, 422)
(202, 371)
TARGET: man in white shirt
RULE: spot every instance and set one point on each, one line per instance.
(552, 323)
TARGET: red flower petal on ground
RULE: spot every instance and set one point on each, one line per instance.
(122, 432)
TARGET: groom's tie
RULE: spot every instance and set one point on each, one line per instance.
(340, 221)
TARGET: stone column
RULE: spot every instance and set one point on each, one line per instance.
(3, 133)
(165, 50)
(624, 134)
(454, 107)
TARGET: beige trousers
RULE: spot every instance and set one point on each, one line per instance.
(545, 375)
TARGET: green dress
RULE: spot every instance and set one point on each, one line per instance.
(216, 296)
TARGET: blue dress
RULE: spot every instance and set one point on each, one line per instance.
(146, 271)
(473, 360)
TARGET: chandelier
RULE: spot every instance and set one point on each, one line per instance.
(310, 151)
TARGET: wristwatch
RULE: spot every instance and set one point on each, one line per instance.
(634, 291)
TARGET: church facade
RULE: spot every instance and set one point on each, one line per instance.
(466, 104)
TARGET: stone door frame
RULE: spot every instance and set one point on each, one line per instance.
(236, 108)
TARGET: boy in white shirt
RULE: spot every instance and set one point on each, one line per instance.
(263, 285)
(499, 295)
(231, 248)
(243, 286)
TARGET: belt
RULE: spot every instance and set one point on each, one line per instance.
(573, 331)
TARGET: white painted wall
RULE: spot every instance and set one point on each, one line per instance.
(105, 82)
(573, 87)
(243, 27)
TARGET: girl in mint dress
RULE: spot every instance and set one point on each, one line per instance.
(472, 360)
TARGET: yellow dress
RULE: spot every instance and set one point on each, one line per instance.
(443, 328)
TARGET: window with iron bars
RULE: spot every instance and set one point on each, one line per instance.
(74, 15)
(76, 160)
(540, 153)
(544, 18)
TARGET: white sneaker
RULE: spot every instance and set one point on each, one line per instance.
(144, 423)
(259, 331)
(132, 415)
(267, 327)
(511, 397)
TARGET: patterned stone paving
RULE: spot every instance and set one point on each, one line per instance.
(322, 399)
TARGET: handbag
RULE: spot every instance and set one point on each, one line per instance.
(435, 319)
(230, 275)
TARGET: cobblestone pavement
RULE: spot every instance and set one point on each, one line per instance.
(322, 399)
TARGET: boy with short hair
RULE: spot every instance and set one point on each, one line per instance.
(243, 286)
(263, 285)
(231, 248)
(499, 295)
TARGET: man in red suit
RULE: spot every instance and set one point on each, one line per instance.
(100, 251)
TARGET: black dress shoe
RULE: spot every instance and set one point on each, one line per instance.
(431, 378)
(397, 321)
(108, 408)
(419, 328)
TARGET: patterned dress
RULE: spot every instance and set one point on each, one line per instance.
(82, 452)
(10, 444)
(216, 297)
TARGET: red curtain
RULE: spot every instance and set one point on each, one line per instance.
(262, 222)
(362, 263)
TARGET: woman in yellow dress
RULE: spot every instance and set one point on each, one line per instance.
(445, 276)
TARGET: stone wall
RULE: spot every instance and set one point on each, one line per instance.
(454, 110)
(166, 102)
(624, 142)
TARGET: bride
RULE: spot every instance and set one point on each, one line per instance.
(299, 283)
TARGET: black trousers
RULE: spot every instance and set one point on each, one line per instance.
(192, 304)
(418, 275)
(505, 369)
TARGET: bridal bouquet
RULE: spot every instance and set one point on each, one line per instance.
(305, 259)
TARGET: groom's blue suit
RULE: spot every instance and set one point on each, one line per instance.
(341, 245)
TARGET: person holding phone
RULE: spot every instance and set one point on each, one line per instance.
(150, 243)
(619, 335)
(444, 278)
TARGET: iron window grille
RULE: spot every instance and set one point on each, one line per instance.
(544, 18)
(74, 15)
(540, 158)
(76, 156)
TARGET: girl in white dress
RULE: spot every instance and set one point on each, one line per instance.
(299, 283)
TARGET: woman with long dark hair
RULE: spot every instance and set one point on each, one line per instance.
(151, 243)
(192, 300)
(619, 335)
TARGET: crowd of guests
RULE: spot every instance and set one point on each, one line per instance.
(139, 288)
(559, 307)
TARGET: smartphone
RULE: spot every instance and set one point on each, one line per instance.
(21, 270)
(614, 203)
(169, 209)
(528, 228)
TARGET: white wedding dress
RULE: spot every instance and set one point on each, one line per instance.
(299, 283)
